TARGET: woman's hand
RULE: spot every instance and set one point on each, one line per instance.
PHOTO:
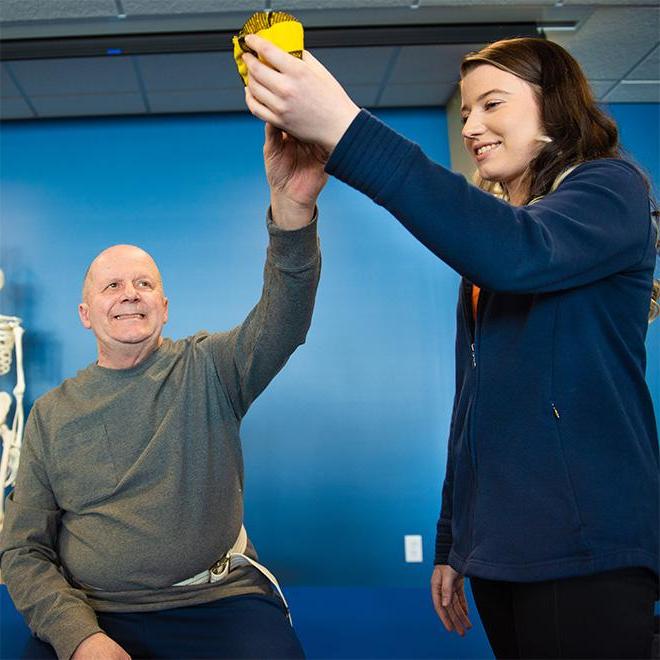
(298, 96)
(448, 593)
(296, 176)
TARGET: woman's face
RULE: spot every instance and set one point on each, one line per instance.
(502, 125)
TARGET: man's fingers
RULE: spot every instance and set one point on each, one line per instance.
(273, 133)
(274, 138)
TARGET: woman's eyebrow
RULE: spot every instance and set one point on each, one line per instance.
(485, 94)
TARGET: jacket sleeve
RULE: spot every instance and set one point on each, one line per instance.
(248, 357)
(597, 223)
(54, 610)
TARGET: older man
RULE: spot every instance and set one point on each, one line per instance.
(130, 483)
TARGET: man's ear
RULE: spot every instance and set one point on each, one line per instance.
(83, 313)
(166, 302)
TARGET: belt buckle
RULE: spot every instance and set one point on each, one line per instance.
(219, 566)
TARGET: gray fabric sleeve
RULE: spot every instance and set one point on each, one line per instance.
(53, 609)
(248, 357)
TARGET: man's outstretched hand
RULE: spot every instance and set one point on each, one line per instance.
(99, 647)
(296, 175)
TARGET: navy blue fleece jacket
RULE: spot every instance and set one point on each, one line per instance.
(552, 467)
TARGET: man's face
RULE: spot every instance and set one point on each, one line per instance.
(123, 301)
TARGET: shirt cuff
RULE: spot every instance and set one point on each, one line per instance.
(293, 249)
(443, 541)
(76, 625)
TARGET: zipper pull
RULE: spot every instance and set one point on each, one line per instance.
(474, 357)
(555, 411)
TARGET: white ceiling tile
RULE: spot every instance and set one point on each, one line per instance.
(188, 71)
(7, 87)
(417, 94)
(648, 68)
(356, 66)
(90, 104)
(637, 93)
(612, 40)
(84, 75)
(209, 100)
(418, 64)
(41, 10)
(14, 108)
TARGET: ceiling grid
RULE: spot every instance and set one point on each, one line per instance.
(414, 59)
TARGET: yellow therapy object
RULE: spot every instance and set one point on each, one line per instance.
(278, 27)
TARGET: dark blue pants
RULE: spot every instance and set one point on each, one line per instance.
(250, 626)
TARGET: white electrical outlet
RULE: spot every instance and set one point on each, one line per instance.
(413, 547)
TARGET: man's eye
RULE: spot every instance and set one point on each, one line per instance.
(144, 284)
(113, 285)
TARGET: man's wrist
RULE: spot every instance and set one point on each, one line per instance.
(288, 214)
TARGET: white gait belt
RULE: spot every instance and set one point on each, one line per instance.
(233, 558)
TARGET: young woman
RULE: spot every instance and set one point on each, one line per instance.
(550, 500)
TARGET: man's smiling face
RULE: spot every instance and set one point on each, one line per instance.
(123, 301)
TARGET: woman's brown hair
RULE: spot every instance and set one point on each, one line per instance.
(570, 116)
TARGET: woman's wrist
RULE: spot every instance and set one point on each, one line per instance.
(340, 126)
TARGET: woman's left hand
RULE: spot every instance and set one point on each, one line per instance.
(448, 594)
(300, 97)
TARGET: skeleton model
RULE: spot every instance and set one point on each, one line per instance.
(11, 338)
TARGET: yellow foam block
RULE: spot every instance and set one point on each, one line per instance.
(287, 35)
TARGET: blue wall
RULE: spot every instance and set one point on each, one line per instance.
(345, 452)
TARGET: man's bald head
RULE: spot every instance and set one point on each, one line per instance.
(123, 305)
(104, 258)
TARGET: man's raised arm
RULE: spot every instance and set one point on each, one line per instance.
(249, 356)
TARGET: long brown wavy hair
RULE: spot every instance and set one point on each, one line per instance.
(579, 129)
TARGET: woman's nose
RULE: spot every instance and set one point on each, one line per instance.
(472, 127)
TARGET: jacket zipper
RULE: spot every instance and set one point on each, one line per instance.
(474, 325)
(555, 412)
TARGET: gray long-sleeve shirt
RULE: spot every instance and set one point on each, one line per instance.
(131, 480)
